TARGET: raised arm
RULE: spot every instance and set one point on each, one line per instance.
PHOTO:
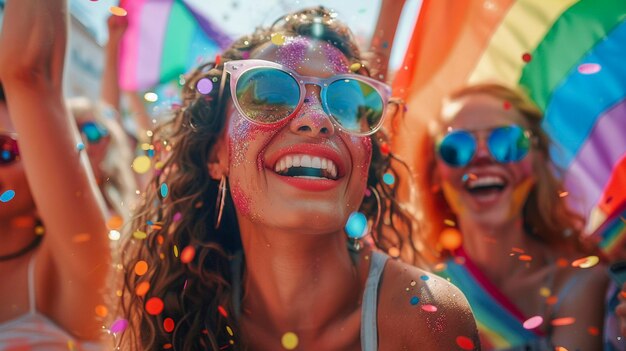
(382, 40)
(74, 257)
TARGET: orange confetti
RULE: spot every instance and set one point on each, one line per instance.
(450, 239)
(563, 194)
(141, 268)
(160, 239)
(561, 262)
(101, 311)
(154, 306)
(142, 288)
(187, 254)
(525, 258)
(115, 222)
(465, 343)
(81, 238)
(118, 11)
(167, 346)
(518, 250)
(593, 331)
(586, 262)
(168, 325)
(552, 300)
(560, 348)
(222, 311)
(560, 322)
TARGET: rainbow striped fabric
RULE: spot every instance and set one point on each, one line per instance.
(165, 38)
(569, 55)
(499, 322)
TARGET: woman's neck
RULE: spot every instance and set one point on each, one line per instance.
(286, 271)
(497, 251)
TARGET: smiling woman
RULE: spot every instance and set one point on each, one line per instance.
(277, 144)
(506, 238)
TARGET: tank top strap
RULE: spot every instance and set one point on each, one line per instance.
(32, 302)
(369, 328)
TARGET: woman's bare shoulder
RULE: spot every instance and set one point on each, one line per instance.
(419, 308)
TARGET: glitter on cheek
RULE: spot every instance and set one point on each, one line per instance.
(242, 202)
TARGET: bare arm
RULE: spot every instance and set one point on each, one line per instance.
(382, 40)
(110, 85)
(74, 254)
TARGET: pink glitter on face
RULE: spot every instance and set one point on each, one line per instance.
(292, 54)
(335, 58)
(240, 199)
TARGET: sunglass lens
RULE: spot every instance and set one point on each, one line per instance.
(93, 132)
(267, 95)
(457, 148)
(508, 144)
(8, 149)
(355, 104)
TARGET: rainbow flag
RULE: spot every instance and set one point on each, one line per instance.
(165, 38)
(569, 55)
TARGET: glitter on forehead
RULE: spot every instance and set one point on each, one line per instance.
(292, 53)
(336, 58)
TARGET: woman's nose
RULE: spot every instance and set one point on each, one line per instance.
(312, 120)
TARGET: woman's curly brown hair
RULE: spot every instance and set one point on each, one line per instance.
(197, 293)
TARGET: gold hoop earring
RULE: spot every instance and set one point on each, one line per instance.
(219, 203)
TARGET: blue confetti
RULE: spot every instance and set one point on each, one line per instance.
(6, 155)
(356, 227)
(80, 146)
(388, 178)
(414, 300)
(7, 196)
(164, 190)
(150, 153)
(424, 278)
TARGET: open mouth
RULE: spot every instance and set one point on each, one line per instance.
(306, 166)
(485, 185)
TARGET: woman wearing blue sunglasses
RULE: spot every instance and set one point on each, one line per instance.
(274, 157)
(495, 214)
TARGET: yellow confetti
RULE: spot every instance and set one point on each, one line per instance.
(449, 222)
(40, 230)
(230, 331)
(71, 346)
(118, 11)
(175, 250)
(289, 341)
(278, 39)
(355, 67)
(450, 239)
(138, 234)
(545, 292)
(586, 262)
(141, 164)
(394, 252)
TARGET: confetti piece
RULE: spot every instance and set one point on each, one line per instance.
(177, 217)
(533, 322)
(593, 331)
(413, 283)
(561, 262)
(278, 39)
(449, 222)
(289, 341)
(175, 250)
(40, 230)
(552, 300)
(164, 190)
(115, 222)
(141, 267)
(414, 300)
(356, 227)
(586, 262)
(465, 343)
(560, 348)
(388, 178)
(563, 194)
(229, 331)
(450, 239)
(526, 57)
(589, 68)
(167, 346)
(101, 311)
(506, 105)
(114, 235)
(525, 258)
(118, 11)
(71, 346)
(394, 252)
(429, 308)
(141, 164)
(7, 196)
(154, 306)
(151, 97)
(518, 250)
(384, 148)
(139, 235)
(168, 325)
(355, 67)
(560, 322)
(80, 147)
(545, 292)
(204, 86)
(142, 288)
(222, 311)
(187, 254)
(118, 326)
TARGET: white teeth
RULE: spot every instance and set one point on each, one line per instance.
(289, 161)
(481, 181)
